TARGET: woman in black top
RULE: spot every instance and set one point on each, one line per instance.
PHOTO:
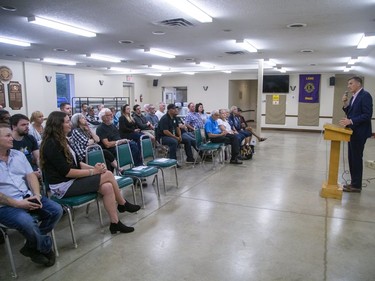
(127, 126)
(69, 177)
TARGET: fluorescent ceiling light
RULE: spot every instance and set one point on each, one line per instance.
(191, 10)
(363, 43)
(282, 70)
(270, 62)
(247, 45)
(103, 58)
(153, 74)
(14, 42)
(227, 71)
(347, 69)
(353, 60)
(205, 64)
(188, 73)
(126, 70)
(59, 61)
(160, 67)
(160, 53)
(61, 26)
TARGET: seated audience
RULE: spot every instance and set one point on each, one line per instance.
(114, 120)
(109, 135)
(193, 119)
(146, 108)
(161, 110)
(20, 197)
(217, 136)
(92, 118)
(82, 137)
(170, 134)
(151, 116)
(127, 126)
(84, 109)
(67, 108)
(4, 116)
(145, 126)
(25, 142)
(200, 113)
(36, 128)
(235, 123)
(246, 127)
(67, 176)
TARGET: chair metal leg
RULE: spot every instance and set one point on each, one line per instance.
(162, 174)
(175, 173)
(157, 185)
(54, 243)
(99, 212)
(134, 197)
(68, 210)
(141, 189)
(9, 252)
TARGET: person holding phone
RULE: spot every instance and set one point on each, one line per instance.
(20, 196)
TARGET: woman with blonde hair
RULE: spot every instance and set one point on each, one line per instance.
(36, 128)
(67, 176)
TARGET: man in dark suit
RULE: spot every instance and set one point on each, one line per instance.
(358, 117)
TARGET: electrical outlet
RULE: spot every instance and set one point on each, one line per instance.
(370, 164)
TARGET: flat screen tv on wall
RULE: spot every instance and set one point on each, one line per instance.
(276, 84)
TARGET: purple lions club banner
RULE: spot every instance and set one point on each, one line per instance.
(309, 85)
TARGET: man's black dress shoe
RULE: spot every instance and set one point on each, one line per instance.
(350, 188)
(235, 161)
(34, 255)
(51, 256)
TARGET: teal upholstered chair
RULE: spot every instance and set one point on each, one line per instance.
(126, 163)
(149, 159)
(208, 148)
(69, 204)
(94, 154)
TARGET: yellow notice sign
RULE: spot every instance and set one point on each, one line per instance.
(275, 99)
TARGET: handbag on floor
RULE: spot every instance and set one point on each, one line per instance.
(246, 152)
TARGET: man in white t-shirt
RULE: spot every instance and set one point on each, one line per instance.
(161, 110)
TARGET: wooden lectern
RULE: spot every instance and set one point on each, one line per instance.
(336, 134)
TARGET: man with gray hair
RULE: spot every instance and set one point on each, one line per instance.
(161, 110)
(217, 136)
(109, 135)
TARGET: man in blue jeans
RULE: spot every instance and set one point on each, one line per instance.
(170, 134)
(20, 198)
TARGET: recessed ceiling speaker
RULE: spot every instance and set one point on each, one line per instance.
(155, 82)
(332, 81)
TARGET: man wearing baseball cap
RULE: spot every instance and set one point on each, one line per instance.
(170, 134)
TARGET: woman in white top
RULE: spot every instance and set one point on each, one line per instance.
(36, 128)
(225, 126)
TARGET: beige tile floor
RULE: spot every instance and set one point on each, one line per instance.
(263, 220)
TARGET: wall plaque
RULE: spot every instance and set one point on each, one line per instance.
(5, 73)
(15, 95)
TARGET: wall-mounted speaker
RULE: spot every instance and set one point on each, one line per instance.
(332, 81)
(155, 82)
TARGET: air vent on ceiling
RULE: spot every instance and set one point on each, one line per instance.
(180, 22)
(235, 53)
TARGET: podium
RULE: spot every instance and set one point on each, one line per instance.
(336, 134)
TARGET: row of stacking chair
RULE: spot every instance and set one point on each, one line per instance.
(128, 176)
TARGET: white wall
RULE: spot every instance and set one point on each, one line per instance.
(38, 94)
(291, 122)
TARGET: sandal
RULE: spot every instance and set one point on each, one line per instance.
(262, 139)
